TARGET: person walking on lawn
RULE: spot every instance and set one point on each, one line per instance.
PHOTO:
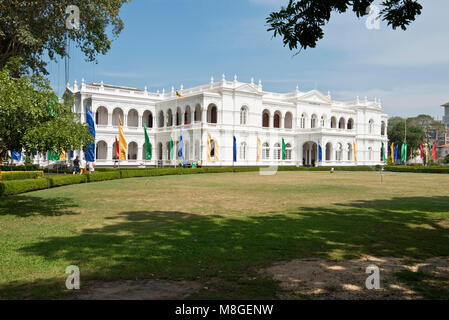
(83, 166)
(76, 165)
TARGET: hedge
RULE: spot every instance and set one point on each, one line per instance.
(21, 186)
(62, 180)
(29, 167)
(21, 175)
(417, 169)
(103, 176)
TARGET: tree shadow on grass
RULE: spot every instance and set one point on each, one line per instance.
(180, 245)
(25, 206)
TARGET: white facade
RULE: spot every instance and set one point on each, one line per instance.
(226, 109)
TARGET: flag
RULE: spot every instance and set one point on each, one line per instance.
(216, 150)
(181, 148)
(355, 153)
(170, 156)
(52, 156)
(117, 152)
(16, 155)
(122, 141)
(411, 153)
(320, 152)
(258, 150)
(434, 150)
(90, 149)
(392, 152)
(283, 149)
(179, 95)
(427, 154)
(71, 154)
(404, 151)
(396, 147)
(148, 154)
(235, 149)
(422, 152)
(62, 156)
(208, 147)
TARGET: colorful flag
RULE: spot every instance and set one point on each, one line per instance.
(148, 153)
(117, 152)
(404, 151)
(179, 95)
(355, 153)
(16, 156)
(171, 145)
(234, 148)
(320, 152)
(283, 149)
(123, 146)
(258, 150)
(392, 152)
(181, 148)
(434, 150)
(90, 149)
(411, 153)
(52, 156)
(396, 147)
(208, 147)
(422, 151)
(62, 156)
(427, 154)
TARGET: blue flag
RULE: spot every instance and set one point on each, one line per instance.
(181, 148)
(90, 150)
(320, 152)
(16, 155)
(395, 153)
(235, 150)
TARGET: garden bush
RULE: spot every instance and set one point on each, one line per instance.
(30, 167)
(21, 186)
(103, 176)
(418, 169)
(62, 180)
(21, 175)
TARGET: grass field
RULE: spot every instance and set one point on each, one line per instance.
(219, 229)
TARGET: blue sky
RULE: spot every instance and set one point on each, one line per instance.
(169, 43)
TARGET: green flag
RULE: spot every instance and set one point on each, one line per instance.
(384, 152)
(283, 149)
(148, 154)
(171, 149)
(404, 152)
(53, 156)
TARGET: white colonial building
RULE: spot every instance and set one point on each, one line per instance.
(226, 109)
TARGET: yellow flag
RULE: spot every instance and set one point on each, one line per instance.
(392, 152)
(62, 156)
(216, 150)
(258, 149)
(355, 153)
(122, 141)
(208, 147)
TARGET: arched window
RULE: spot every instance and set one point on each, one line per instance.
(101, 116)
(178, 117)
(115, 115)
(212, 114)
(277, 151)
(265, 119)
(169, 118)
(187, 116)
(313, 121)
(342, 123)
(288, 122)
(350, 124)
(144, 151)
(133, 118)
(371, 126)
(243, 151)
(288, 151)
(338, 152)
(102, 150)
(333, 122)
(350, 151)
(147, 119)
(277, 120)
(265, 151)
(161, 119)
(160, 151)
(243, 115)
(303, 121)
(328, 151)
(197, 114)
(323, 121)
(212, 148)
(383, 128)
(132, 151)
(370, 154)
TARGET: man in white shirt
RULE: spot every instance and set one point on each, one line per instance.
(83, 166)
(91, 167)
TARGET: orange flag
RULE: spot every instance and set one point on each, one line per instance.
(122, 141)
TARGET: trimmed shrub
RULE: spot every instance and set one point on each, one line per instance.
(66, 179)
(103, 176)
(21, 175)
(416, 169)
(21, 186)
(30, 167)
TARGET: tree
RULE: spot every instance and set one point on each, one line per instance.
(32, 118)
(29, 29)
(396, 132)
(301, 22)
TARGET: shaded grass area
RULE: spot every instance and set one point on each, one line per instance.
(219, 230)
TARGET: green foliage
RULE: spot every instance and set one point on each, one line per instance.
(31, 117)
(445, 159)
(28, 29)
(103, 176)
(66, 179)
(21, 186)
(21, 175)
(32, 167)
(418, 169)
(301, 22)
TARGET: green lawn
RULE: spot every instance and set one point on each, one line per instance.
(219, 229)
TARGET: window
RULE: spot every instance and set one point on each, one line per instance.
(303, 121)
(212, 148)
(101, 116)
(333, 122)
(265, 151)
(288, 120)
(197, 114)
(288, 151)
(265, 119)
(212, 114)
(243, 151)
(187, 116)
(350, 124)
(115, 116)
(328, 151)
(323, 121)
(382, 129)
(350, 152)
(277, 120)
(371, 126)
(178, 117)
(277, 151)
(243, 115)
(133, 118)
(161, 120)
(341, 123)
(169, 118)
(313, 121)
(370, 154)
(338, 152)
(147, 119)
